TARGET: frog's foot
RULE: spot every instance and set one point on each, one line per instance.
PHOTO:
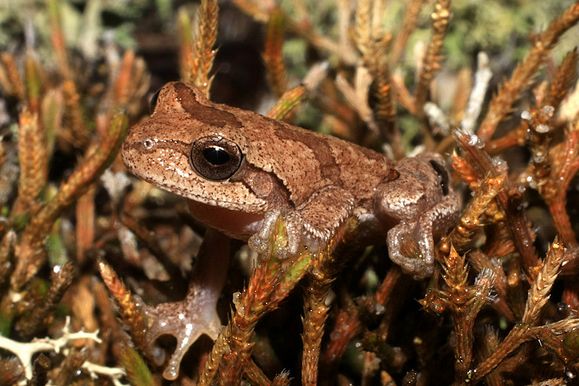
(299, 235)
(311, 225)
(185, 320)
(411, 245)
(196, 315)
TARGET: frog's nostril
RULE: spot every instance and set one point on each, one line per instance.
(148, 144)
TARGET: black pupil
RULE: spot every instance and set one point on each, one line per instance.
(216, 155)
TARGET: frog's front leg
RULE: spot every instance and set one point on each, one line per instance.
(310, 225)
(419, 206)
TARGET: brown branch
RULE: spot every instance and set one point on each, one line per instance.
(57, 39)
(34, 82)
(269, 284)
(480, 261)
(385, 107)
(205, 38)
(14, 83)
(316, 310)
(515, 137)
(564, 79)
(290, 99)
(517, 336)
(74, 111)
(33, 160)
(346, 326)
(411, 14)
(509, 201)
(35, 321)
(197, 53)
(272, 53)
(303, 29)
(471, 218)
(30, 250)
(554, 191)
(363, 27)
(432, 61)
(254, 374)
(131, 309)
(511, 89)
(539, 292)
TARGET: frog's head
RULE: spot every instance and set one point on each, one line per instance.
(192, 147)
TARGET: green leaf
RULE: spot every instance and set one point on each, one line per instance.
(137, 371)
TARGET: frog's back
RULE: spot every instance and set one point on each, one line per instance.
(307, 161)
(302, 160)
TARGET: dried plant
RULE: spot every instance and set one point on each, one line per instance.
(197, 52)
(167, 300)
(431, 62)
(501, 104)
(272, 53)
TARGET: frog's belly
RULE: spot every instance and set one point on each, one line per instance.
(236, 224)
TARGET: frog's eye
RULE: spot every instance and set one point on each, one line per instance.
(153, 101)
(215, 158)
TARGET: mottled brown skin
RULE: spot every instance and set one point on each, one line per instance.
(284, 166)
(257, 169)
(314, 181)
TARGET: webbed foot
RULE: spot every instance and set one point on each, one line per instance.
(196, 315)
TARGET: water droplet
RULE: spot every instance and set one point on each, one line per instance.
(472, 139)
(500, 164)
(531, 182)
(562, 307)
(548, 110)
(542, 128)
(380, 309)
(526, 115)
(539, 157)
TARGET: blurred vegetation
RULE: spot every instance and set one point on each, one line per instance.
(86, 247)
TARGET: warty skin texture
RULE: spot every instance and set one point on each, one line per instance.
(240, 171)
(314, 181)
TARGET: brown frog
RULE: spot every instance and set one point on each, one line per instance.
(241, 170)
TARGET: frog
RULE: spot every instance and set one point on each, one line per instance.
(241, 171)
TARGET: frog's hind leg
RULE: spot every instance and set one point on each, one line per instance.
(411, 244)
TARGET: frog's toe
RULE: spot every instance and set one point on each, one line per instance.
(412, 250)
(260, 241)
(264, 241)
(186, 321)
